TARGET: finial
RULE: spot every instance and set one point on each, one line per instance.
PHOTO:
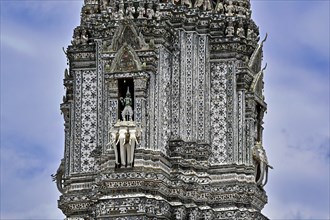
(264, 40)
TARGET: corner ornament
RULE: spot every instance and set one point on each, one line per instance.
(58, 177)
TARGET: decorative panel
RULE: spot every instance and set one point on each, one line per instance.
(88, 119)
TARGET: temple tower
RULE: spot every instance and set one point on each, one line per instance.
(164, 112)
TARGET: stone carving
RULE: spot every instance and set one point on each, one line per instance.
(183, 2)
(240, 31)
(130, 10)
(105, 4)
(141, 10)
(230, 30)
(80, 37)
(261, 164)
(126, 134)
(230, 9)
(58, 176)
(84, 37)
(150, 11)
(219, 7)
(207, 5)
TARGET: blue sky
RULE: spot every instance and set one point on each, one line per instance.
(296, 85)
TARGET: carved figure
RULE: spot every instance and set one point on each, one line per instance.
(219, 7)
(84, 37)
(249, 33)
(122, 144)
(114, 136)
(230, 9)
(198, 3)
(133, 133)
(130, 10)
(150, 11)
(157, 13)
(230, 30)
(127, 103)
(207, 5)
(126, 134)
(121, 10)
(261, 164)
(105, 4)
(76, 37)
(240, 31)
(186, 2)
(141, 10)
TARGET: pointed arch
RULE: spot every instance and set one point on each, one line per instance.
(127, 33)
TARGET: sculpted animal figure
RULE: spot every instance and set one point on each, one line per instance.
(261, 164)
(127, 136)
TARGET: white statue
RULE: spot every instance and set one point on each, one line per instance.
(114, 136)
(122, 141)
(261, 164)
(130, 10)
(126, 134)
(141, 10)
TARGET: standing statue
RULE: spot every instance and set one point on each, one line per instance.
(130, 10)
(141, 10)
(127, 103)
(230, 9)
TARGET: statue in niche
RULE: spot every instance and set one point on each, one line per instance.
(127, 113)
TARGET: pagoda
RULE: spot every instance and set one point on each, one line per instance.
(163, 112)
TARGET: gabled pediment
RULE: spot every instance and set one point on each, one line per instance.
(126, 60)
(127, 33)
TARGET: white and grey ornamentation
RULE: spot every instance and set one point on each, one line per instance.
(163, 112)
